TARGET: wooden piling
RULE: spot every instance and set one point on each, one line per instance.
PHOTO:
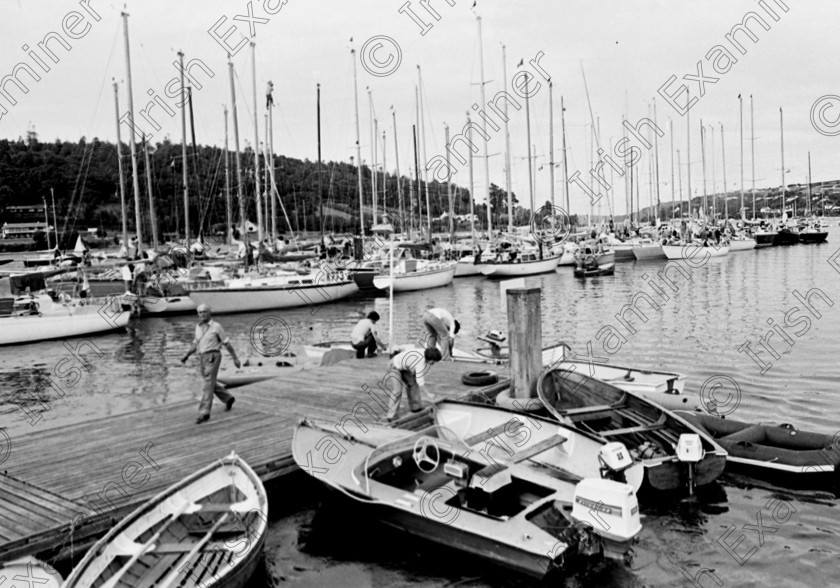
(525, 332)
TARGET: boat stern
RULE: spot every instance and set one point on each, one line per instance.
(611, 511)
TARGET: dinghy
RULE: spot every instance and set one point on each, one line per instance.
(206, 530)
(431, 485)
(771, 449)
(499, 432)
(29, 570)
(675, 453)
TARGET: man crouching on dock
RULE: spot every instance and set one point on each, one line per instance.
(209, 338)
(412, 365)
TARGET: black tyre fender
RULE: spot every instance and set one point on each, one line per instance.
(480, 378)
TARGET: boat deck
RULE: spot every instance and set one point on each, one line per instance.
(87, 476)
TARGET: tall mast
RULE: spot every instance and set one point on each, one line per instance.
(703, 161)
(782, 129)
(243, 219)
(320, 189)
(741, 126)
(417, 170)
(688, 149)
(399, 177)
(679, 179)
(528, 131)
(55, 221)
(373, 134)
(257, 186)
(725, 198)
(422, 136)
(132, 143)
(192, 134)
(384, 173)
(507, 149)
(228, 211)
(551, 141)
(714, 177)
(656, 151)
(419, 186)
(122, 173)
(47, 210)
(150, 193)
(752, 152)
(472, 180)
(358, 146)
(184, 181)
(673, 187)
(484, 128)
(809, 183)
(268, 200)
(565, 167)
(270, 165)
(449, 193)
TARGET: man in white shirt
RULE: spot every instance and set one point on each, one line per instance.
(443, 328)
(364, 336)
(209, 339)
(412, 366)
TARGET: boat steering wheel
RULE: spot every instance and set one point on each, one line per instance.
(421, 455)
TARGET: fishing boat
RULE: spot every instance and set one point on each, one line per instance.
(496, 431)
(253, 293)
(417, 274)
(504, 512)
(693, 250)
(528, 263)
(29, 570)
(771, 449)
(675, 453)
(206, 530)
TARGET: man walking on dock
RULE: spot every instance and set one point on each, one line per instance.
(209, 338)
(441, 327)
(412, 366)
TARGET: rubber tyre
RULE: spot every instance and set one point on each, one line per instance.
(479, 378)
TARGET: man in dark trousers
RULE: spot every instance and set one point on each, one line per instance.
(364, 336)
(441, 328)
(412, 366)
(209, 339)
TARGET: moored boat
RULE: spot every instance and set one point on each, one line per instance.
(675, 453)
(772, 449)
(417, 274)
(30, 570)
(208, 529)
(693, 250)
(810, 236)
(740, 243)
(589, 264)
(504, 512)
(526, 264)
(647, 251)
(764, 239)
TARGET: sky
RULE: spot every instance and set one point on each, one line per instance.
(626, 50)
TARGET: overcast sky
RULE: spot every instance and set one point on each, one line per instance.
(628, 50)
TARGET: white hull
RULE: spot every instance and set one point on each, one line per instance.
(568, 258)
(421, 280)
(741, 244)
(167, 305)
(691, 251)
(466, 267)
(525, 268)
(63, 322)
(256, 298)
(648, 251)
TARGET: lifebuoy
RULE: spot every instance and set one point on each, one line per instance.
(479, 378)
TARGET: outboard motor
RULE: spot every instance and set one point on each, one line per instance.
(614, 460)
(690, 451)
(611, 510)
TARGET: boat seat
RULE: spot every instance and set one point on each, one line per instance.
(587, 410)
(538, 448)
(637, 429)
(486, 435)
(186, 547)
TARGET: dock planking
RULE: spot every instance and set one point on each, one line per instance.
(69, 484)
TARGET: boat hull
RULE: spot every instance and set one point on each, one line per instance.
(167, 304)
(691, 251)
(62, 323)
(623, 252)
(253, 299)
(742, 244)
(467, 267)
(786, 237)
(764, 239)
(648, 251)
(412, 281)
(514, 269)
(810, 238)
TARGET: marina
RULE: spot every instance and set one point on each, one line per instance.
(487, 295)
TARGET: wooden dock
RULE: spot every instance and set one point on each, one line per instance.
(64, 486)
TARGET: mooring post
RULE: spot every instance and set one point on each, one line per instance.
(525, 329)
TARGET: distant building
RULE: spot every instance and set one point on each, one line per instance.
(25, 213)
(22, 230)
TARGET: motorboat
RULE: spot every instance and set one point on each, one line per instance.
(433, 485)
(675, 453)
(207, 530)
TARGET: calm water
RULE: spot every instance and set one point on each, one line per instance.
(697, 331)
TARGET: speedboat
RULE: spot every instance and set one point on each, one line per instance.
(433, 485)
